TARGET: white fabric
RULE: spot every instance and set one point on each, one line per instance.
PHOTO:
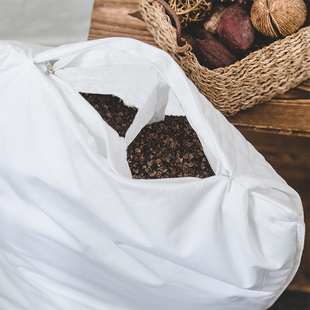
(47, 22)
(77, 232)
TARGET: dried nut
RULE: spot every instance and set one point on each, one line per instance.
(213, 54)
(199, 33)
(276, 18)
(235, 28)
(212, 22)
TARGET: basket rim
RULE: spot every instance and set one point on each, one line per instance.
(251, 55)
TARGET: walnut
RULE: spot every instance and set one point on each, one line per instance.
(278, 18)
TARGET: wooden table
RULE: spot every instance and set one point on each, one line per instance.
(278, 128)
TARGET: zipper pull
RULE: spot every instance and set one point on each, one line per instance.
(49, 67)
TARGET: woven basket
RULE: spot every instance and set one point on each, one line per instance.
(258, 77)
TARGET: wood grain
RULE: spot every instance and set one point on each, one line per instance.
(119, 19)
(282, 116)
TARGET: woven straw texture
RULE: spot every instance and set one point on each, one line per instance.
(258, 77)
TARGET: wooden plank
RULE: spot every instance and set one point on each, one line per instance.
(301, 91)
(280, 116)
(119, 19)
(276, 116)
(305, 86)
